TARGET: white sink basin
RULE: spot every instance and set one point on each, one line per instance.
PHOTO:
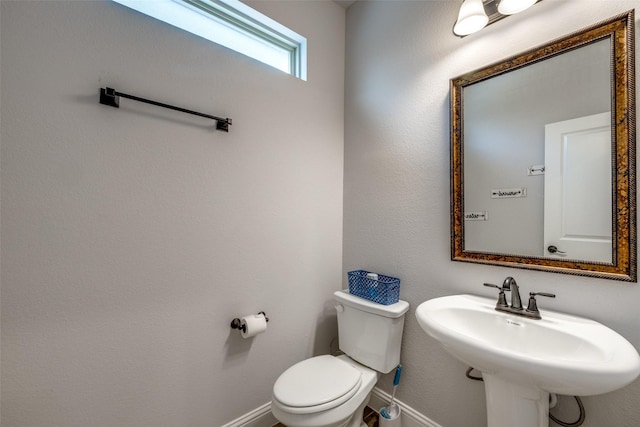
(559, 353)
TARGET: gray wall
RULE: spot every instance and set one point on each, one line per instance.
(131, 237)
(396, 217)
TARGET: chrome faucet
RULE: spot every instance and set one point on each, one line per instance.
(510, 284)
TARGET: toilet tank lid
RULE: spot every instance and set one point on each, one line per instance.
(392, 310)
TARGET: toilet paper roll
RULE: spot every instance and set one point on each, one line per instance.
(253, 325)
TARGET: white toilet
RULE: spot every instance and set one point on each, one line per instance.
(332, 391)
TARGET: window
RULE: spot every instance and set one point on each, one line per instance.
(234, 25)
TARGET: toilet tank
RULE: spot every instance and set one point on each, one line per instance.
(368, 332)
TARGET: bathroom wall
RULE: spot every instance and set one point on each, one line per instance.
(131, 237)
(396, 218)
(0, 228)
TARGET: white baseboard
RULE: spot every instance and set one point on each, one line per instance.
(262, 416)
(410, 417)
(259, 417)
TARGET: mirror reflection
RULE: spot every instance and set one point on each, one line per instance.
(542, 175)
(513, 175)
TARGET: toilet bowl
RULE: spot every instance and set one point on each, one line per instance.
(332, 391)
(323, 391)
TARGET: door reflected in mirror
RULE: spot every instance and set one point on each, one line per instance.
(543, 157)
(578, 220)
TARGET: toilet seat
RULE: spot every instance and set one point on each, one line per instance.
(317, 384)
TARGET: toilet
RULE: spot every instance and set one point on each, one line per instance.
(332, 391)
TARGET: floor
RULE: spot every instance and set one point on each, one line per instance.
(370, 418)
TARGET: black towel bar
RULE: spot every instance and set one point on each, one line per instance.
(110, 97)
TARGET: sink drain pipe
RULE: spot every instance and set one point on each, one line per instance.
(552, 398)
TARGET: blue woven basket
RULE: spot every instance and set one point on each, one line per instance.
(385, 290)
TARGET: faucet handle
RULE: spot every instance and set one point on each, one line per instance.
(542, 294)
(502, 300)
(532, 308)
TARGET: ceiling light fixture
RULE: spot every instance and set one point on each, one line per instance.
(474, 15)
(471, 18)
(510, 7)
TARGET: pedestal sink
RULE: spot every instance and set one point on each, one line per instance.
(523, 360)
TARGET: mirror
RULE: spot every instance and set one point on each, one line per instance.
(543, 157)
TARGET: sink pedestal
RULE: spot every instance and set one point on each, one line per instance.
(510, 404)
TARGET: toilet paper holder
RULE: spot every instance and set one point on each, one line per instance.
(237, 323)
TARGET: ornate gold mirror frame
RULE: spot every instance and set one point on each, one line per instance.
(620, 31)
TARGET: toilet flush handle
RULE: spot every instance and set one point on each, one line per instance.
(339, 308)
